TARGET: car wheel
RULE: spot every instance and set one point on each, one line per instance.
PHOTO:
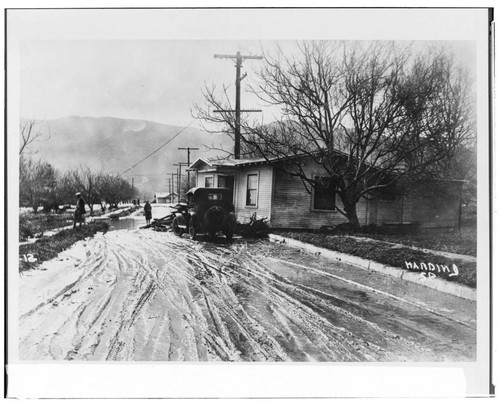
(192, 230)
(175, 227)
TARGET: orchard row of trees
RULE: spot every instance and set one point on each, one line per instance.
(370, 114)
(43, 186)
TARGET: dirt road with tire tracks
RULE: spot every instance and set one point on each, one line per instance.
(140, 295)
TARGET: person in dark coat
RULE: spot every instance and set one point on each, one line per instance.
(147, 212)
(79, 210)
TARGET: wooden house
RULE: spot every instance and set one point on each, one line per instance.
(260, 187)
(165, 198)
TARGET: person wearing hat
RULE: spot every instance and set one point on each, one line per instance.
(147, 212)
(79, 210)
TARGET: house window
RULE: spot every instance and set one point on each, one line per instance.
(209, 181)
(323, 194)
(222, 181)
(252, 188)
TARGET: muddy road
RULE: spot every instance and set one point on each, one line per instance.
(140, 295)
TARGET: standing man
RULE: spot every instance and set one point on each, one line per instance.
(147, 212)
(79, 210)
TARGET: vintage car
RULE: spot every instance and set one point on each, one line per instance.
(210, 210)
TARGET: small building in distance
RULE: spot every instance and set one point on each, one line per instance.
(260, 187)
(165, 198)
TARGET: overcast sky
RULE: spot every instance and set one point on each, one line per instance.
(152, 65)
(152, 80)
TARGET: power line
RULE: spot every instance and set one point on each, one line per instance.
(157, 149)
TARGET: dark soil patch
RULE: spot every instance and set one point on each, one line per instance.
(454, 241)
(451, 240)
(47, 248)
(391, 255)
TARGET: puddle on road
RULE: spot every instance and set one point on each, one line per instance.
(125, 223)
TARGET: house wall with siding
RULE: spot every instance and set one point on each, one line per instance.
(285, 202)
(200, 178)
(292, 205)
(432, 211)
(264, 192)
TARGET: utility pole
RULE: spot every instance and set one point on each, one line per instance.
(189, 149)
(239, 61)
(171, 185)
(180, 164)
(172, 191)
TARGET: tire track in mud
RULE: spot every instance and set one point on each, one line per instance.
(170, 292)
(331, 341)
(103, 291)
(279, 301)
(410, 322)
(101, 276)
(144, 295)
(94, 264)
(232, 316)
(58, 327)
(384, 336)
(239, 333)
(391, 339)
(217, 334)
(242, 321)
(321, 308)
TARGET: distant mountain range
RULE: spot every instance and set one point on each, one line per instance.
(114, 145)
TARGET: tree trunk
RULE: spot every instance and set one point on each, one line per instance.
(34, 204)
(350, 210)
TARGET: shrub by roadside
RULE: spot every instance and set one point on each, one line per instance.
(35, 224)
(254, 228)
(31, 224)
(391, 255)
(47, 248)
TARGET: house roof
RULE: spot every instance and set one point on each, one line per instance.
(230, 162)
(164, 195)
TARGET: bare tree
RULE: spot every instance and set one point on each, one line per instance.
(29, 134)
(37, 181)
(369, 115)
(114, 189)
(87, 183)
(218, 123)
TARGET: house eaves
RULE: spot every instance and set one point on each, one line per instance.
(212, 165)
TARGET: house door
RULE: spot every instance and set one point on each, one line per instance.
(228, 182)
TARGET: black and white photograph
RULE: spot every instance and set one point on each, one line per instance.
(227, 197)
